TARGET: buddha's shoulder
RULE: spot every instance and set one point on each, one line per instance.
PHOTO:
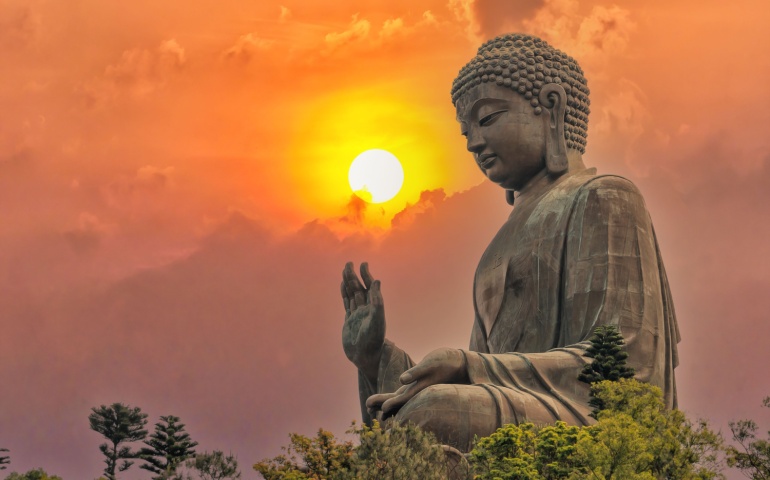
(603, 183)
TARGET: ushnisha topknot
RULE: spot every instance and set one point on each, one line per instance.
(524, 63)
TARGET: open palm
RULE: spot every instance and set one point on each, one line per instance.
(363, 333)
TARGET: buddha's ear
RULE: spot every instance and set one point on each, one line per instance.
(553, 98)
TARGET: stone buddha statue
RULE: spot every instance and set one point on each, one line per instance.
(578, 251)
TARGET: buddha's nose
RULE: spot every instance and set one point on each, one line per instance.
(475, 142)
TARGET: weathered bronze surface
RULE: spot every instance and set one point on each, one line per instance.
(578, 251)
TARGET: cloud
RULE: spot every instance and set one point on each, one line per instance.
(15, 150)
(606, 30)
(153, 178)
(487, 18)
(391, 27)
(462, 9)
(19, 137)
(138, 73)
(246, 47)
(356, 31)
(428, 18)
(356, 210)
(285, 14)
(88, 234)
(396, 27)
(429, 199)
(624, 115)
(19, 25)
(357, 219)
(148, 178)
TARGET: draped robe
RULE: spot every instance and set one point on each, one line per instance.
(577, 252)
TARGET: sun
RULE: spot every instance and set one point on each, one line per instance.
(376, 176)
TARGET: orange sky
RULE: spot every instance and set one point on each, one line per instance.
(174, 208)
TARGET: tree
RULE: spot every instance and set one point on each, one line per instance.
(319, 457)
(639, 434)
(4, 459)
(119, 424)
(215, 466)
(37, 474)
(169, 446)
(753, 457)
(635, 438)
(397, 452)
(609, 361)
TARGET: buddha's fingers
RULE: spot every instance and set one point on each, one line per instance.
(400, 397)
(365, 275)
(375, 401)
(353, 286)
(375, 295)
(345, 298)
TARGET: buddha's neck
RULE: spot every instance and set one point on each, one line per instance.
(543, 180)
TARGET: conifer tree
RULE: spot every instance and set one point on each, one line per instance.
(609, 362)
(169, 446)
(120, 424)
(4, 459)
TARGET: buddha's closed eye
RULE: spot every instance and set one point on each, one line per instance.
(490, 119)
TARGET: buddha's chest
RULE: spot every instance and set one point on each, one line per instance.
(518, 277)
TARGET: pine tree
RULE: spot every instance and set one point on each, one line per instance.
(4, 459)
(120, 424)
(169, 445)
(609, 362)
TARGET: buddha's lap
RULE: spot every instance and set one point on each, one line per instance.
(458, 413)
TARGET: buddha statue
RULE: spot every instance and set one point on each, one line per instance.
(578, 251)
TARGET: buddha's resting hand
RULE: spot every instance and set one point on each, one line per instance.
(444, 365)
(363, 333)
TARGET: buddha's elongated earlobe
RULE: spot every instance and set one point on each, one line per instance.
(553, 97)
(509, 197)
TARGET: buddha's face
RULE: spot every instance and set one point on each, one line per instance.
(505, 136)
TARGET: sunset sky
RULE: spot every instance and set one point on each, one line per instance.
(175, 212)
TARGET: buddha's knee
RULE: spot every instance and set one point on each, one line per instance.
(428, 408)
(453, 413)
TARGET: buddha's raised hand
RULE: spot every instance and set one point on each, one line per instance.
(363, 333)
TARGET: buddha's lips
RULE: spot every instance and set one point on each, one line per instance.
(486, 161)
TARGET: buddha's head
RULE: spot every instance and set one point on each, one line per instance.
(523, 105)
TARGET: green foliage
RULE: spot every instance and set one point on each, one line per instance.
(319, 457)
(4, 459)
(119, 424)
(678, 448)
(169, 445)
(609, 361)
(636, 438)
(509, 453)
(36, 474)
(397, 452)
(214, 466)
(753, 456)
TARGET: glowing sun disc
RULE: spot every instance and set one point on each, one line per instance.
(376, 176)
